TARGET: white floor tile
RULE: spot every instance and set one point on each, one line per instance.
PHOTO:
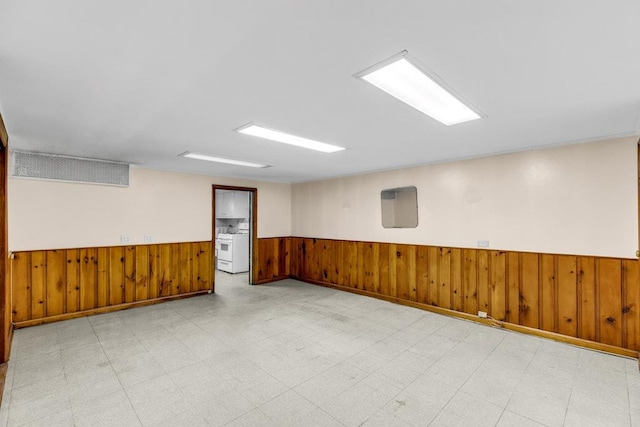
(107, 410)
(355, 406)
(59, 419)
(592, 410)
(467, 410)
(540, 408)
(34, 410)
(156, 400)
(290, 353)
(421, 402)
(511, 419)
(329, 384)
(287, 408)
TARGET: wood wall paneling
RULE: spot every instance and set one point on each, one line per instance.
(594, 299)
(584, 298)
(59, 284)
(275, 255)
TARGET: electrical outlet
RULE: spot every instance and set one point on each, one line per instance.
(483, 243)
(125, 238)
(148, 238)
(482, 314)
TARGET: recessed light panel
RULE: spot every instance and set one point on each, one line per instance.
(403, 80)
(286, 138)
(215, 159)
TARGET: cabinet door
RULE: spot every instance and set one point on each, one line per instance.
(241, 204)
(226, 205)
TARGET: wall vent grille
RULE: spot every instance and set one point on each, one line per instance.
(65, 168)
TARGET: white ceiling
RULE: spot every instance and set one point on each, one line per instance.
(143, 81)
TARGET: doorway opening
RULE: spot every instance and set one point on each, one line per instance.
(234, 234)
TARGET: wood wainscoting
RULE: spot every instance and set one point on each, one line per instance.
(51, 285)
(588, 301)
(274, 262)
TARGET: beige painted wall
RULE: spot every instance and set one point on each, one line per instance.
(577, 199)
(172, 207)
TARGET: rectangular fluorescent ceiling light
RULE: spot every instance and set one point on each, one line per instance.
(286, 138)
(405, 81)
(222, 160)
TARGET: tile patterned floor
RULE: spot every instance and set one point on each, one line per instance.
(301, 355)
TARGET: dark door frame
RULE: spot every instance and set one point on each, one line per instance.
(5, 272)
(253, 270)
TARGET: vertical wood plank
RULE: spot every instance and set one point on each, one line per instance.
(498, 284)
(393, 272)
(484, 295)
(470, 280)
(609, 277)
(205, 268)
(630, 311)
(164, 288)
(73, 280)
(411, 271)
(383, 269)
(116, 275)
(422, 274)
(102, 283)
(175, 269)
(21, 287)
(267, 256)
(338, 253)
(295, 257)
(529, 291)
(567, 295)
(354, 263)
(142, 273)
(195, 268)
(129, 273)
(306, 255)
(88, 278)
(587, 313)
(457, 295)
(284, 249)
(186, 261)
(56, 282)
(370, 266)
(361, 263)
(548, 299)
(405, 272)
(513, 287)
(38, 284)
(317, 253)
(444, 277)
(326, 260)
(275, 257)
(432, 270)
(154, 269)
(374, 282)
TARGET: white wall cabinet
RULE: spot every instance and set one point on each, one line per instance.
(232, 204)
